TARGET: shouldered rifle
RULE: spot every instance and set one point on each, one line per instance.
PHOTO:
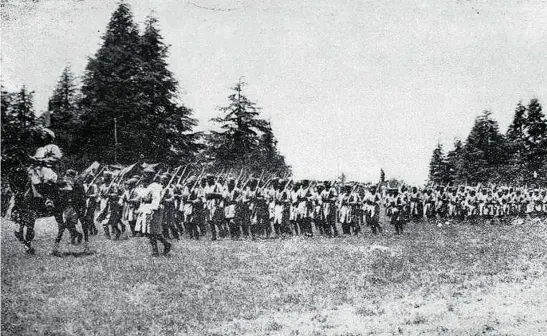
(182, 174)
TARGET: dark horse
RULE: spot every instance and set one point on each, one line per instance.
(28, 207)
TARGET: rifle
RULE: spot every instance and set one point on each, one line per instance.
(239, 177)
(199, 178)
(98, 174)
(181, 175)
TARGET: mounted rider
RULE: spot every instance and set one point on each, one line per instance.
(44, 163)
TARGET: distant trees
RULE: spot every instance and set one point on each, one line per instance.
(437, 166)
(518, 157)
(63, 112)
(244, 139)
(128, 107)
(18, 119)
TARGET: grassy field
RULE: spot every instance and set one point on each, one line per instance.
(452, 280)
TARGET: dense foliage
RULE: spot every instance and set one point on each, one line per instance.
(488, 156)
(128, 109)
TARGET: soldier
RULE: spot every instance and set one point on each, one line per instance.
(169, 228)
(293, 218)
(537, 202)
(283, 203)
(231, 198)
(259, 208)
(429, 204)
(78, 202)
(69, 201)
(414, 203)
(213, 195)
(371, 207)
(454, 204)
(42, 171)
(395, 204)
(305, 207)
(471, 204)
(346, 208)
(320, 222)
(328, 207)
(152, 212)
(270, 199)
(115, 211)
(131, 203)
(193, 202)
(91, 193)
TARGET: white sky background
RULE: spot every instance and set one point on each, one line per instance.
(349, 86)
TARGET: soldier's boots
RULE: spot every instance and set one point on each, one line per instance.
(55, 251)
(166, 248)
(106, 232)
(155, 251)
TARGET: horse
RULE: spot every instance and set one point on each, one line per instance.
(30, 206)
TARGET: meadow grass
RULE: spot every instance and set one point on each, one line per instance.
(450, 280)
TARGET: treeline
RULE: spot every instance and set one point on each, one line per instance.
(126, 108)
(518, 157)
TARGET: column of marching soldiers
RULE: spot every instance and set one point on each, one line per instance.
(170, 205)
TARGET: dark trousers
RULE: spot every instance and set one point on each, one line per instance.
(153, 238)
(305, 225)
(192, 226)
(233, 227)
(63, 225)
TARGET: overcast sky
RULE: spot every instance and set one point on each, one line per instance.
(349, 86)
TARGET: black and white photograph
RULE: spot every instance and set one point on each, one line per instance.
(275, 167)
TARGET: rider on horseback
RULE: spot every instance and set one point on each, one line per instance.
(44, 163)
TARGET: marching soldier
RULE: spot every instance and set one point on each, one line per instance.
(152, 213)
(347, 208)
(215, 213)
(231, 198)
(283, 204)
(328, 207)
(371, 207)
(168, 202)
(305, 207)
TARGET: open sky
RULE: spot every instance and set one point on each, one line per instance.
(349, 86)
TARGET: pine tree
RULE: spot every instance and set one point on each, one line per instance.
(18, 119)
(516, 167)
(382, 176)
(484, 153)
(63, 110)
(536, 141)
(453, 163)
(166, 126)
(109, 92)
(266, 156)
(437, 166)
(240, 130)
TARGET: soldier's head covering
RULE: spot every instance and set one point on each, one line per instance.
(191, 180)
(165, 177)
(43, 133)
(132, 181)
(71, 173)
